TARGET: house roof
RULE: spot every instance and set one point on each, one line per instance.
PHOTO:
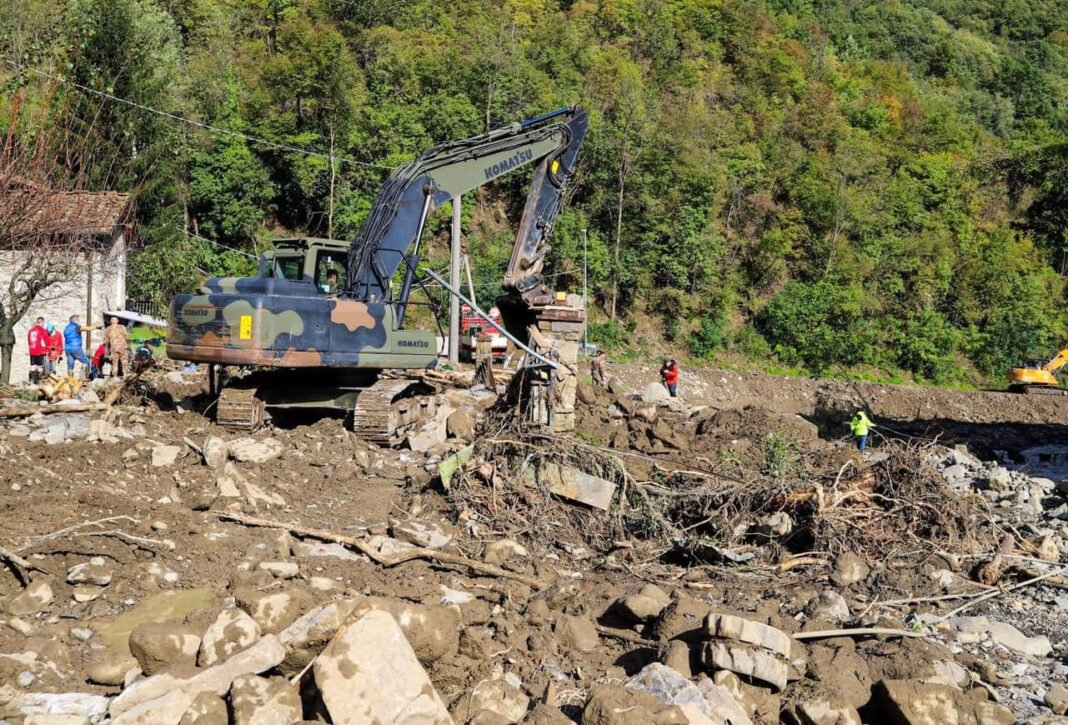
(32, 210)
(80, 212)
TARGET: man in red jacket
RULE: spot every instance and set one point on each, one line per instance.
(669, 373)
(37, 339)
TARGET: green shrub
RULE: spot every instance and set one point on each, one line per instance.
(710, 336)
(819, 325)
(782, 455)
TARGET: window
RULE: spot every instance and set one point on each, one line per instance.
(287, 268)
(330, 271)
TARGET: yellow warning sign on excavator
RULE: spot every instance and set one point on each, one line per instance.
(246, 327)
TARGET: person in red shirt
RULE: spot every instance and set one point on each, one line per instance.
(669, 373)
(97, 363)
(55, 348)
(37, 340)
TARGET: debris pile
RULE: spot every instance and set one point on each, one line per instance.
(793, 503)
(708, 566)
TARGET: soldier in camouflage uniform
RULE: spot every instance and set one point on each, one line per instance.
(118, 339)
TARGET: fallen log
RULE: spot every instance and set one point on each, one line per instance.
(441, 557)
(52, 408)
(127, 381)
(628, 637)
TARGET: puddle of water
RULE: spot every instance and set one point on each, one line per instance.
(163, 607)
(1049, 461)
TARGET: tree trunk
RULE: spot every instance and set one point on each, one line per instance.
(619, 234)
(6, 349)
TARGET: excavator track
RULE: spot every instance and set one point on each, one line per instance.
(239, 409)
(1044, 390)
(388, 409)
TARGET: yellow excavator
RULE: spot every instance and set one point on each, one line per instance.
(1039, 376)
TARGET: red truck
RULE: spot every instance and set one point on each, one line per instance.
(472, 326)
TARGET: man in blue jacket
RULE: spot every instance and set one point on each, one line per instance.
(73, 344)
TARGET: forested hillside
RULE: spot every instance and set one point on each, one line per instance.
(836, 186)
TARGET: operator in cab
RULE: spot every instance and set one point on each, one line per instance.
(330, 286)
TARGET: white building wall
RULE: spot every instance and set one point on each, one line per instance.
(60, 301)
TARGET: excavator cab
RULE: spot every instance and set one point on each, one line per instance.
(323, 261)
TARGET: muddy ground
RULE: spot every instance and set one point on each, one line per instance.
(742, 497)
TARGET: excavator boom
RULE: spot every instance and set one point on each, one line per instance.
(390, 237)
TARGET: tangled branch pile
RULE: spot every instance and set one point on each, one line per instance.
(898, 504)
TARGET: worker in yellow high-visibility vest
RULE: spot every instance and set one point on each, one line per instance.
(861, 425)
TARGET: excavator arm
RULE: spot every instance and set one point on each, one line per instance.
(390, 237)
(1057, 362)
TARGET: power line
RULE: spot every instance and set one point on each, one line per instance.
(189, 121)
(213, 242)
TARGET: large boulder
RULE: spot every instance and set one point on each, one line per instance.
(431, 629)
(431, 432)
(165, 455)
(643, 605)
(273, 611)
(214, 451)
(232, 631)
(307, 636)
(159, 645)
(427, 534)
(1015, 640)
(617, 705)
(576, 633)
(370, 673)
(829, 606)
(915, 703)
(32, 600)
(95, 571)
(111, 669)
(508, 703)
(461, 424)
(260, 701)
(91, 708)
(671, 688)
(655, 393)
(140, 699)
(206, 709)
(251, 450)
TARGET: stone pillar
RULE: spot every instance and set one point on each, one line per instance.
(561, 327)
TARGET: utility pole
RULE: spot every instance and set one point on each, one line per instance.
(454, 280)
(585, 302)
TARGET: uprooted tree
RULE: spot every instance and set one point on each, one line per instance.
(45, 156)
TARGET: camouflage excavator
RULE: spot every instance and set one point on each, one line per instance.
(321, 320)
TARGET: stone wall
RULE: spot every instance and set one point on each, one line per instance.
(60, 301)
